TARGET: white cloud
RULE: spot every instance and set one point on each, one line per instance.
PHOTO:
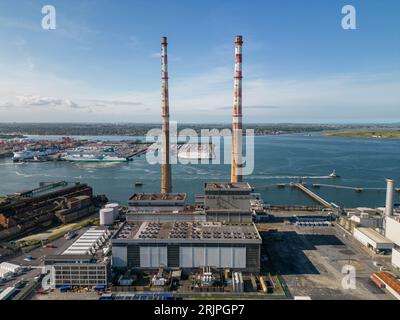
(18, 42)
(33, 101)
(203, 97)
(156, 55)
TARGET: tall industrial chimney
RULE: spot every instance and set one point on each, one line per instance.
(165, 165)
(389, 197)
(236, 166)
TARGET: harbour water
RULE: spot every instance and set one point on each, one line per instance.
(363, 163)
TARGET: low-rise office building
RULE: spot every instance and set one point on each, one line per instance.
(84, 262)
(79, 270)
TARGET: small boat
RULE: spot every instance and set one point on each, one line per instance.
(334, 175)
(138, 184)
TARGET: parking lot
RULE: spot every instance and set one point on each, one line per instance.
(311, 257)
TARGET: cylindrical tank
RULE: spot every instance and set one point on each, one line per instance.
(115, 207)
(106, 216)
(389, 197)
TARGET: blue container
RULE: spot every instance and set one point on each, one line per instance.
(100, 288)
(65, 288)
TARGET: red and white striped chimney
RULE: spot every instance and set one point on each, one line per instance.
(236, 166)
(166, 186)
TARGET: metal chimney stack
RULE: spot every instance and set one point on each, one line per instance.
(165, 165)
(236, 166)
(389, 197)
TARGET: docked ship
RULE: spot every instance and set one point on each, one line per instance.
(82, 157)
(194, 151)
(26, 155)
(92, 155)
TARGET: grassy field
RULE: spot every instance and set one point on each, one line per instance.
(57, 232)
(372, 134)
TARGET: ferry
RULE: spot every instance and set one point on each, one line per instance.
(31, 154)
(85, 157)
(93, 154)
(196, 152)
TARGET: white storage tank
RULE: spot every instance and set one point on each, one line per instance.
(115, 207)
(106, 216)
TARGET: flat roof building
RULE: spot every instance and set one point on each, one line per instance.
(396, 257)
(392, 228)
(187, 214)
(162, 208)
(157, 202)
(227, 188)
(84, 262)
(89, 242)
(187, 245)
(228, 202)
(372, 239)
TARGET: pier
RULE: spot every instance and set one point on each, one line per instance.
(42, 188)
(357, 189)
(137, 153)
(319, 185)
(312, 195)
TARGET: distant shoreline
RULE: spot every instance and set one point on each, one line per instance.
(141, 129)
(366, 134)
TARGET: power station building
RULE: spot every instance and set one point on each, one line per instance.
(187, 245)
(157, 202)
(222, 202)
(162, 207)
(162, 231)
(228, 202)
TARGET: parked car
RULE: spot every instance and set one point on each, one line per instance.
(70, 235)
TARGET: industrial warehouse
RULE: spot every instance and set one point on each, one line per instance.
(50, 202)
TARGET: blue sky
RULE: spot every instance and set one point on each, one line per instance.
(102, 62)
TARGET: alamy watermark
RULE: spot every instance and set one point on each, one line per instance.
(349, 21)
(211, 146)
(349, 280)
(49, 279)
(49, 21)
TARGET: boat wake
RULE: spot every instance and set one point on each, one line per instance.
(26, 175)
(287, 177)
